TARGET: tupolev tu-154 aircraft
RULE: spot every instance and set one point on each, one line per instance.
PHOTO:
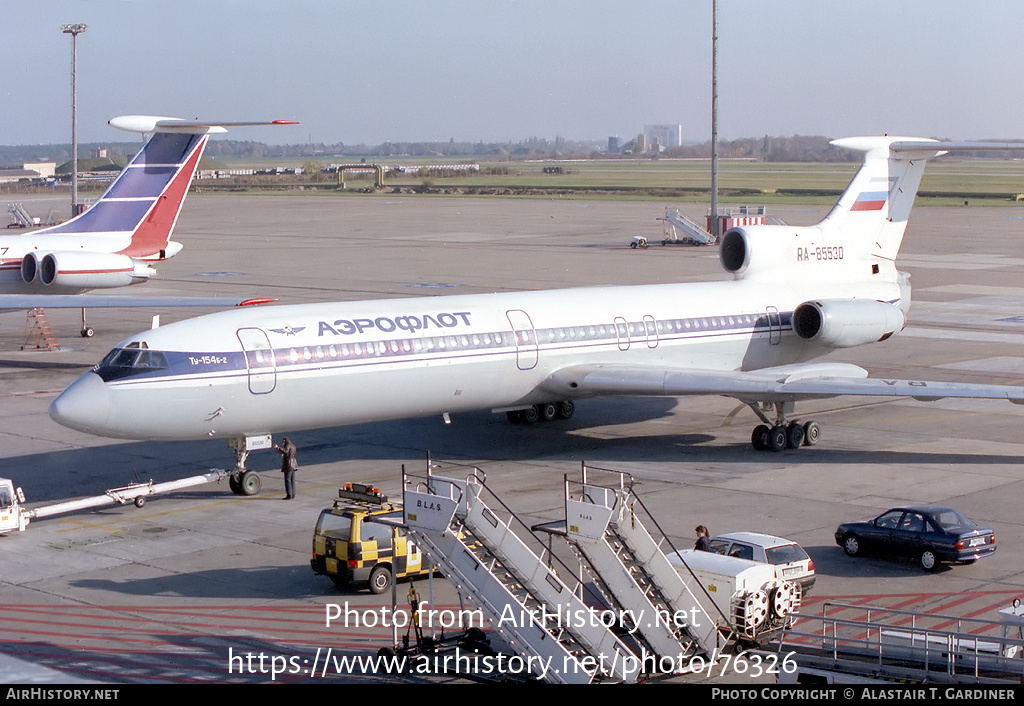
(796, 293)
(114, 243)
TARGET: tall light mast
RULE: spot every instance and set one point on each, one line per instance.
(74, 30)
(714, 119)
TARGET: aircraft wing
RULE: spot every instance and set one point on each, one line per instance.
(781, 384)
(101, 301)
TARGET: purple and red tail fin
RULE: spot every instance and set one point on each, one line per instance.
(144, 201)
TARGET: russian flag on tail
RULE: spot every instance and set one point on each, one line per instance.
(870, 201)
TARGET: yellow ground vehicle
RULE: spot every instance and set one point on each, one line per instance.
(359, 553)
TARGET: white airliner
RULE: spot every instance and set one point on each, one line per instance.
(114, 242)
(795, 294)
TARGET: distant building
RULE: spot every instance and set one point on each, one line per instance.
(614, 144)
(45, 169)
(667, 136)
(38, 171)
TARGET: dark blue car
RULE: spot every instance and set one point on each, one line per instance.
(930, 534)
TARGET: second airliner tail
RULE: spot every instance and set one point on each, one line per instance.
(143, 203)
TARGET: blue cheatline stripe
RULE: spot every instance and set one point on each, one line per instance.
(333, 354)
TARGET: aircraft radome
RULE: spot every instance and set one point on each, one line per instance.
(115, 241)
(796, 293)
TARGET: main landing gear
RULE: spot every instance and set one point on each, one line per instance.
(779, 435)
(542, 412)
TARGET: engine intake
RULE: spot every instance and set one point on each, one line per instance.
(842, 323)
(82, 270)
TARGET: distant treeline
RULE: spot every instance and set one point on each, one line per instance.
(798, 148)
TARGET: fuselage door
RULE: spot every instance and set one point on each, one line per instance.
(526, 338)
(651, 329)
(774, 326)
(622, 333)
(259, 360)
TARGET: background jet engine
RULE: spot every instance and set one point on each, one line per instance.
(842, 323)
(83, 270)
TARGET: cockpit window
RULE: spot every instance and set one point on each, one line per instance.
(133, 359)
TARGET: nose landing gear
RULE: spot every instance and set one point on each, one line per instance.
(242, 480)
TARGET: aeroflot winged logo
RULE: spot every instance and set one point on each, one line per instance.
(288, 330)
(385, 324)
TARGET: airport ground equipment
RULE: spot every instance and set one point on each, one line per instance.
(604, 525)
(20, 217)
(679, 230)
(14, 516)
(856, 643)
(353, 549)
(536, 609)
(758, 604)
(683, 230)
(692, 233)
(447, 649)
(38, 333)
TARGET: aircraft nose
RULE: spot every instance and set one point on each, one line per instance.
(84, 405)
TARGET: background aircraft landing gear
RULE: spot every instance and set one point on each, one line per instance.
(86, 331)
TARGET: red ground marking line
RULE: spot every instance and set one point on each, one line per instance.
(159, 662)
(338, 637)
(965, 598)
(909, 600)
(131, 615)
(852, 598)
(134, 614)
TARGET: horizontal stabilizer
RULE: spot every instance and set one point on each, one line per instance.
(153, 123)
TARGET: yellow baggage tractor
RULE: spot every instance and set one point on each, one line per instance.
(359, 554)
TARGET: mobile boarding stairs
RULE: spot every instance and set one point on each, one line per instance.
(534, 601)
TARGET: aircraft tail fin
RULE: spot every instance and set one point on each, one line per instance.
(145, 199)
(865, 227)
(878, 201)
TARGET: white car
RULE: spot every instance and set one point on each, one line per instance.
(790, 560)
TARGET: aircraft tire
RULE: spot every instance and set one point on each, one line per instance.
(233, 484)
(794, 435)
(530, 415)
(812, 433)
(250, 483)
(566, 409)
(759, 439)
(777, 438)
(548, 411)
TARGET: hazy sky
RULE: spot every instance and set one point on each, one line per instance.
(374, 70)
